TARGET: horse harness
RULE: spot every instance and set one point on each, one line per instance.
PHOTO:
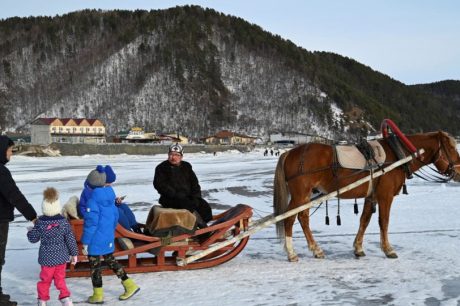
(372, 165)
(448, 174)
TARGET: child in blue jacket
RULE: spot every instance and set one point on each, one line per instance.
(57, 246)
(98, 239)
(126, 217)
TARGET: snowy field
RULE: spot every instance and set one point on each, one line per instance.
(424, 230)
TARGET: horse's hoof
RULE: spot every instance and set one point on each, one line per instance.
(360, 254)
(320, 256)
(392, 255)
(293, 258)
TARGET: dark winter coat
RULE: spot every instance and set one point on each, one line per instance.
(179, 188)
(177, 182)
(100, 221)
(57, 242)
(10, 195)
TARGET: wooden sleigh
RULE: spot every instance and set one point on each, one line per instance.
(153, 254)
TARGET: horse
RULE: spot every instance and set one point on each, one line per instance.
(311, 167)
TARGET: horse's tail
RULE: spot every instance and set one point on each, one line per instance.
(280, 194)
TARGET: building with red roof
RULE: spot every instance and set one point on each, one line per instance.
(70, 130)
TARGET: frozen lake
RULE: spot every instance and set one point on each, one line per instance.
(424, 230)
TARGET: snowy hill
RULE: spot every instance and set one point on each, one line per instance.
(196, 71)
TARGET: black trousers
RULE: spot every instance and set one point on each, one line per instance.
(4, 227)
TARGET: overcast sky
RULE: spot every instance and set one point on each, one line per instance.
(413, 41)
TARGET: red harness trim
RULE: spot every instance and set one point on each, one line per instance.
(389, 124)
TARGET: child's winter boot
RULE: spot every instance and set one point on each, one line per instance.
(41, 302)
(66, 301)
(130, 289)
(97, 297)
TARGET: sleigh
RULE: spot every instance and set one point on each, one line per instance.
(139, 253)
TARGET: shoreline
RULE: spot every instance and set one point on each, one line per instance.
(68, 149)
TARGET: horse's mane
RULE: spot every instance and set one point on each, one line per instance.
(452, 140)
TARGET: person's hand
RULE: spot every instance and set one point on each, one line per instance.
(84, 250)
(73, 260)
(118, 200)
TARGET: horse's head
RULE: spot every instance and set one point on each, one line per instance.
(446, 159)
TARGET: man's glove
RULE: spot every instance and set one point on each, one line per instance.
(84, 250)
(73, 260)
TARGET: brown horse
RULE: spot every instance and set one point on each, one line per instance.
(311, 165)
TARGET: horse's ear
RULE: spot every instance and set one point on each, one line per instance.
(422, 157)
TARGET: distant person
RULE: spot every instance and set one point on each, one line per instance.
(126, 216)
(266, 152)
(10, 198)
(98, 239)
(271, 152)
(178, 186)
(57, 245)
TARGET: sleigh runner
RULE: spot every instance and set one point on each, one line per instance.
(139, 253)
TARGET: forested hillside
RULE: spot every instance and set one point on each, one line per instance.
(197, 71)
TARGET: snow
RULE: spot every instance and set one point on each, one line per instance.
(424, 230)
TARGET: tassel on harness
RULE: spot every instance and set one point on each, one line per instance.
(327, 214)
(339, 222)
(355, 208)
(405, 189)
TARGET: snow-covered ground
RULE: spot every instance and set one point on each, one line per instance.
(424, 230)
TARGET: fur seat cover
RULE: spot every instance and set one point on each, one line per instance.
(167, 221)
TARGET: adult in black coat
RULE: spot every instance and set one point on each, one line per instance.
(178, 186)
(10, 198)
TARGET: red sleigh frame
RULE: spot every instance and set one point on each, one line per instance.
(154, 254)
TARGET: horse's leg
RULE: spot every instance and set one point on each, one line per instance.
(384, 219)
(288, 224)
(304, 219)
(363, 223)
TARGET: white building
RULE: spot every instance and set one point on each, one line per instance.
(81, 130)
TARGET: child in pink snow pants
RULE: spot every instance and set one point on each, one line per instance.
(57, 246)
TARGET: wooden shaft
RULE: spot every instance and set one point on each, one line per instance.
(274, 219)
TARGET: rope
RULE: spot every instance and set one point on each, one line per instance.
(431, 178)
